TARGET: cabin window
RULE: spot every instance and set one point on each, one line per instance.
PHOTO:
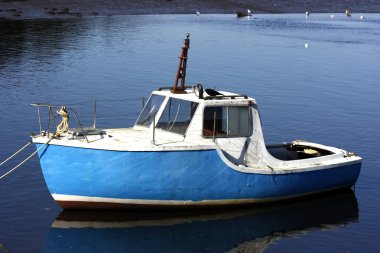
(151, 108)
(229, 121)
(177, 115)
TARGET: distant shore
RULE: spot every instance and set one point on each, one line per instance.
(52, 9)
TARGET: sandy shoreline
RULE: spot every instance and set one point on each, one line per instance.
(36, 9)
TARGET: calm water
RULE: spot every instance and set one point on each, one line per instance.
(327, 93)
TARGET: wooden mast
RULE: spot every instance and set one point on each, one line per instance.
(181, 72)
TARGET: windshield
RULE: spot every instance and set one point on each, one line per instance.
(177, 115)
(150, 110)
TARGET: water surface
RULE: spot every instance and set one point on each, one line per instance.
(326, 93)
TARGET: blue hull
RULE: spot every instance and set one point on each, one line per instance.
(178, 176)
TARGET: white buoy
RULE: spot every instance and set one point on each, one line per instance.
(361, 17)
(332, 16)
(198, 13)
(306, 45)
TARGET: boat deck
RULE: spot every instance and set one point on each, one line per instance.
(130, 139)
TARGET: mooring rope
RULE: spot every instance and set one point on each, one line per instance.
(25, 160)
(9, 158)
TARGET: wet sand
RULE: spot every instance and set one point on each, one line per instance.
(36, 9)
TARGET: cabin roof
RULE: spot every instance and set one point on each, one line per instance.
(225, 98)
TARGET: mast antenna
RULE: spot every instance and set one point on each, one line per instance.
(181, 71)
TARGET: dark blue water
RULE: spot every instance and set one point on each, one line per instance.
(326, 93)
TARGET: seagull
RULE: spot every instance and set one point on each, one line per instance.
(362, 17)
(307, 14)
(248, 11)
(348, 13)
(198, 13)
(306, 45)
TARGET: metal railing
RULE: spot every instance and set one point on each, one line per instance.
(51, 116)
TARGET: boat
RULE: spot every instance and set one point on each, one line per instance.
(240, 229)
(348, 12)
(190, 147)
(241, 14)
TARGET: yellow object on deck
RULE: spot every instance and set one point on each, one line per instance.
(64, 125)
(310, 151)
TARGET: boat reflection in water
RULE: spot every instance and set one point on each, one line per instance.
(249, 229)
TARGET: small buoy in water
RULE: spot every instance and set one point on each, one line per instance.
(362, 17)
(306, 45)
(307, 14)
(198, 13)
(332, 16)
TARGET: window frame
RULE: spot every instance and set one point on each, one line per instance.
(250, 132)
(157, 113)
(168, 103)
